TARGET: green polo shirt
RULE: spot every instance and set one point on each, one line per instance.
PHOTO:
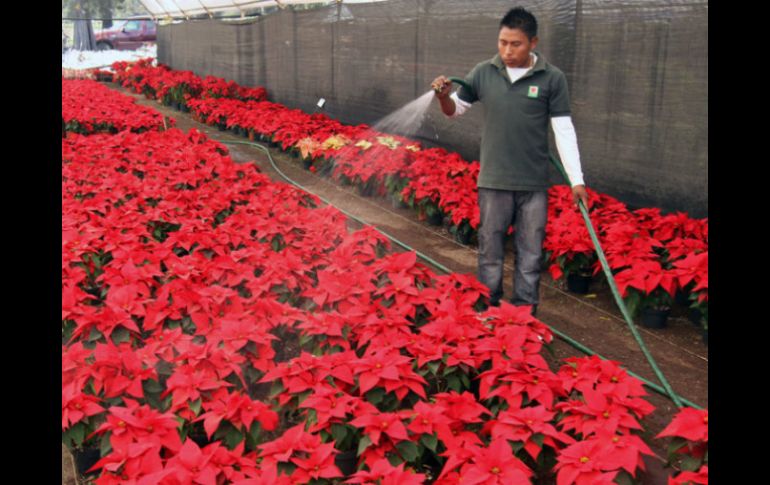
(514, 144)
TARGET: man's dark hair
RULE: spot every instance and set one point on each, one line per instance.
(518, 18)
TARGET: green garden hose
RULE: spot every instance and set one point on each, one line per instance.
(615, 292)
(461, 82)
(665, 392)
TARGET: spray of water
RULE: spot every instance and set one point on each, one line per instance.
(406, 120)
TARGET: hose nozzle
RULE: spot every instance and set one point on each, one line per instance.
(455, 80)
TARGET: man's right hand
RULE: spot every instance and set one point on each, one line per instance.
(442, 87)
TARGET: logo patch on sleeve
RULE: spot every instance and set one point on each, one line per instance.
(533, 90)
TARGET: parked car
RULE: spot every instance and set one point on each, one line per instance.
(126, 35)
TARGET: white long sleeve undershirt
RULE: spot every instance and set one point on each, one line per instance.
(563, 130)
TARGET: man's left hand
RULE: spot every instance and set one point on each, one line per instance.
(579, 193)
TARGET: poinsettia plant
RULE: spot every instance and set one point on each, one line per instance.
(688, 448)
(692, 274)
(645, 284)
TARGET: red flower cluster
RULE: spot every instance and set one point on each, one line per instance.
(90, 107)
(603, 417)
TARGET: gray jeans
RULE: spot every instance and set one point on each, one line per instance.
(528, 212)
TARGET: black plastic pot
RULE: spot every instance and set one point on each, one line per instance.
(705, 334)
(221, 126)
(653, 318)
(346, 462)
(463, 237)
(396, 202)
(307, 162)
(184, 108)
(365, 190)
(578, 283)
(436, 219)
(85, 459)
(681, 299)
(694, 316)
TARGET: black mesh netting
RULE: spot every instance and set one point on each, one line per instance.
(638, 74)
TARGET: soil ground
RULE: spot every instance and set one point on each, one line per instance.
(593, 320)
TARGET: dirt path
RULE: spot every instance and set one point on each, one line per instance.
(593, 319)
(68, 476)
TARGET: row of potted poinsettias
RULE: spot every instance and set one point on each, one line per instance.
(191, 283)
(176, 88)
(91, 107)
(655, 258)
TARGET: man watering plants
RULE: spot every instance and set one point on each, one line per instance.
(521, 93)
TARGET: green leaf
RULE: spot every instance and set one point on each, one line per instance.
(453, 382)
(394, 459)
(286, 468)
(433, 367)
(276, 388)
(196, 406)
(375, 395)
(538, 438)
(408, 450)
(339, 432)
(549, 348)
(312, 418)
(633, 300)
(363, 445)
(304, 339)
(277, 243)
(76, 434)
(94, 335)
(690, 463)
(151, 386)
(252, 437)
(465, 380)
(430, 441)
(188, 326)
(232, 438)
(675, 444)
(104, 446)
(120, 334)
(516, 446)
(623, 478)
